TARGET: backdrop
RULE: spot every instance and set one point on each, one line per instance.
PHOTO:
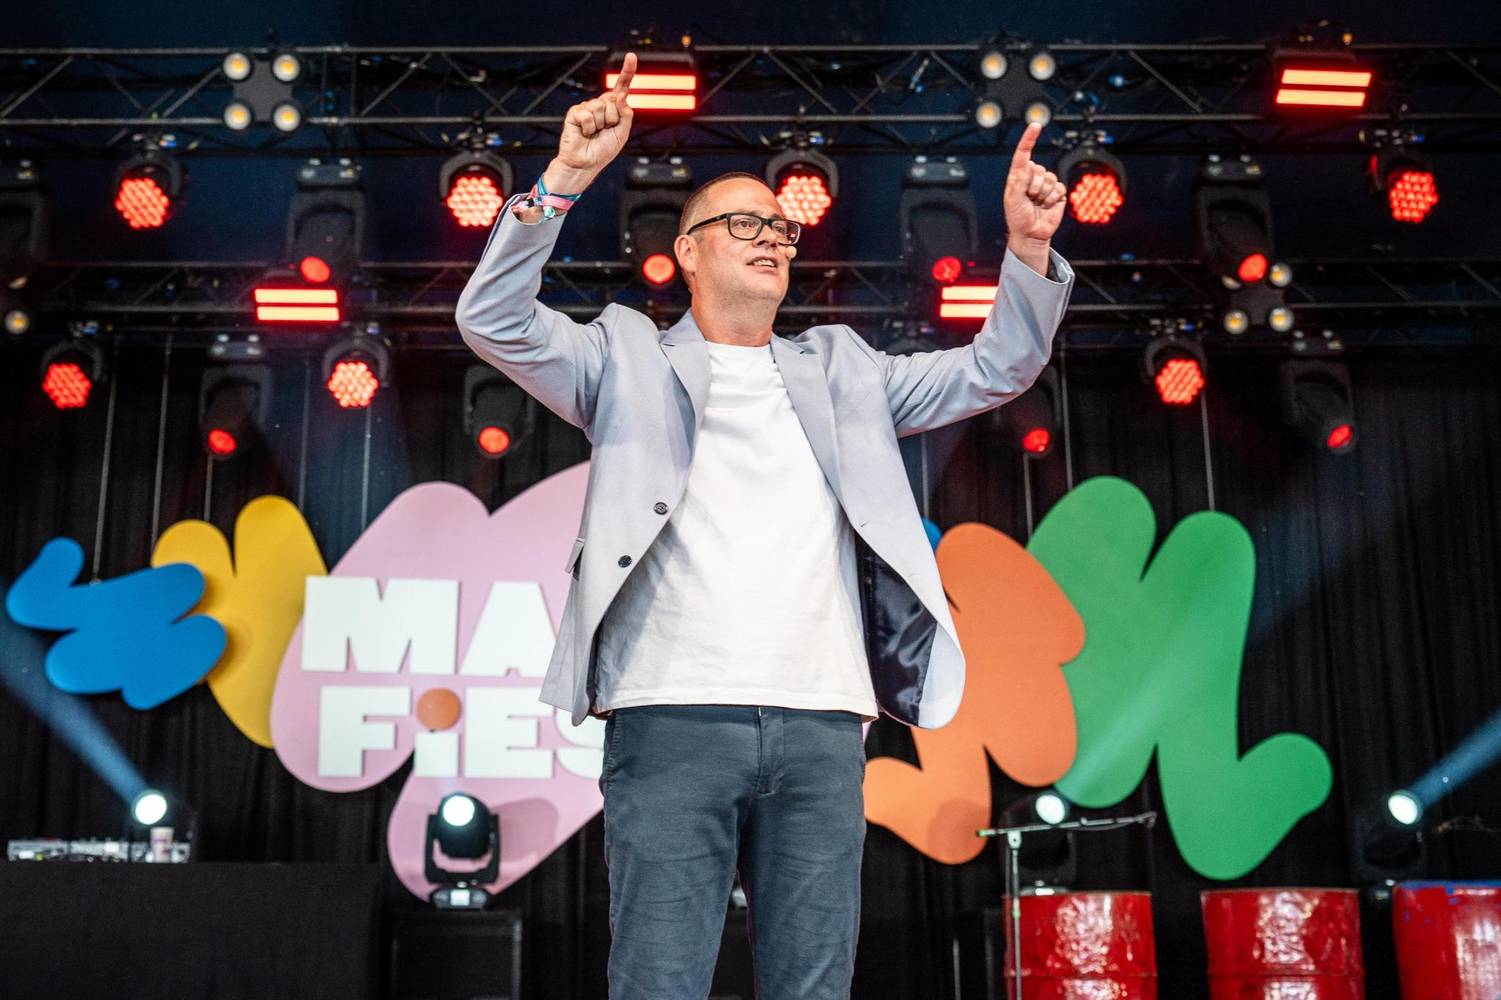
(1374, 627)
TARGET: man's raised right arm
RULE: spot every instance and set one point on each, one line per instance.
(556, 360)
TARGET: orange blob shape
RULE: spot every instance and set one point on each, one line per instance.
(438, 708)
(1017, 629)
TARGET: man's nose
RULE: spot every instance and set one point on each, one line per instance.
(766, 237)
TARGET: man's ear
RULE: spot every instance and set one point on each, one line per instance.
(685, 248)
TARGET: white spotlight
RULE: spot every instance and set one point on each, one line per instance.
(1404, 807)
(149, 807)
(458, 810)
(1051, 808)
(993, 64)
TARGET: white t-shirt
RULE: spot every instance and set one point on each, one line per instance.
(749, 594)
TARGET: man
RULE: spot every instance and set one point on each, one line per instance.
(715, 616)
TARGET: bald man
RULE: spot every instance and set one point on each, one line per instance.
(715, 618)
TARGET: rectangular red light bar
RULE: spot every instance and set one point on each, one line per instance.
(297, 305)
(1322, 87)
(965, 301)
(670, 87)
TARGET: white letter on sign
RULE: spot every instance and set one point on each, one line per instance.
(514, 633)
(343, 733)
(348, 613)
(499, 725)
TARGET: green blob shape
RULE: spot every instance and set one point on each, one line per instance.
(1160, 671)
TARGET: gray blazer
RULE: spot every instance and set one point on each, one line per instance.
(639, 393)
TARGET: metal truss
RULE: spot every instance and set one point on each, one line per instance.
(1369, 302)
(902, 99)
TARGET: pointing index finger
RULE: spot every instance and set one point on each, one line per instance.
(1023, 154)
(627, 73)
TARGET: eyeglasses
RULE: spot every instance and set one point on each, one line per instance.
(745, 226)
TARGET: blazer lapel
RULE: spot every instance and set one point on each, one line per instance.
(808, 389)
(684, 346)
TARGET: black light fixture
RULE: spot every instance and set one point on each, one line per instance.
(1318, 403)
(1032, 419)
(497, 414)
(355, 369)
(805, 181)
(1045, 859)
(650, 209)
(262, 90)
(1096, 181)
(149, 186)
(473, 185)
(1404, 179)
(1010, 87)
(464, 828)
(1233, 218)
(1389, 843)
(152, 809)
(69, 371)
(25, 223)
(937, 214)
(1233, 221)
(1176, 366)
(326, 221)
(233, 401)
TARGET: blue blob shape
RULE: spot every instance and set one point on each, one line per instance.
(127, 634)
(934, 533)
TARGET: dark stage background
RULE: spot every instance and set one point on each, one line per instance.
(1374, 628)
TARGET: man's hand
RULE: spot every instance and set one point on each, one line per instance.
(1034, 204)
(594, 133)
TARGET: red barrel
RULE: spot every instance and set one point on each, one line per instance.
(1085, 946)
(1448, 940)
(1301, 943)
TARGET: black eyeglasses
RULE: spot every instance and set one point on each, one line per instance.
(745, 226)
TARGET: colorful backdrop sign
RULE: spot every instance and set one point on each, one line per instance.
(1088, 656)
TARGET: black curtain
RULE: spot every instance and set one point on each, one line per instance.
(1374, 626)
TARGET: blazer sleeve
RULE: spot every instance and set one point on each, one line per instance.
(555, 359)
(940, 387)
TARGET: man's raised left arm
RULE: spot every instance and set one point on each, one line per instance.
(939, 387)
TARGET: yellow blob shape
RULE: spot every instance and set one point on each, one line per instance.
(256, 595)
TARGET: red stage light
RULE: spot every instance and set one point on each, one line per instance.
(314, 270)
(658, 269)
(297, 305)
(804, 197)
(947, 269)
(659, 91)
(966, 301)
(67, 385)
(142, 203)
(221, 442)
(1252, 268)
(1340, 438)
(494, 441)
(353, 383)
(1037, 440)
(1095, 197)
(1412, 193)
(1322, 87)
(1179, 381)
(474, 199)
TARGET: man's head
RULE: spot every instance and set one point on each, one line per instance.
(721, 269)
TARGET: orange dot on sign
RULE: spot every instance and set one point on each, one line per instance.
(438, 708)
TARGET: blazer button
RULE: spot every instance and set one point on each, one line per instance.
(624, 561)
(660, 508)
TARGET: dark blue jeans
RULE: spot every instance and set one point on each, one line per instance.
(692, 792)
